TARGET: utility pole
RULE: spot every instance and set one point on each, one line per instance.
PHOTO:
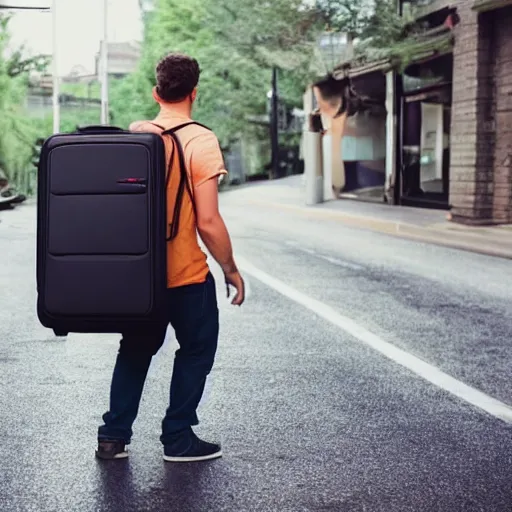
(55, 66)
(104, 66)
(274, 125)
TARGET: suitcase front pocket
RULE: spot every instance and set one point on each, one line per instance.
(99, 200)
(105, 224)
(91, 286)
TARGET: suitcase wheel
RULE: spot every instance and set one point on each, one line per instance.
(60, 334)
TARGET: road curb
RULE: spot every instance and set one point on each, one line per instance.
(451, 239)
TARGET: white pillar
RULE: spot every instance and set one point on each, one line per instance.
(390, 129)
(312, 153)
(327, 163)
(313, 167)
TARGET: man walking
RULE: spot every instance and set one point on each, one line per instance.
(192, 302)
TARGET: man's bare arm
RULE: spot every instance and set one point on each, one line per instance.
(215, 236)
(211, 226)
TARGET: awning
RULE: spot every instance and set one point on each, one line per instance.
(490, 5)
(429, 45)
(383, 65)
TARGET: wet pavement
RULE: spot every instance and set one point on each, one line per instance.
(310, 418)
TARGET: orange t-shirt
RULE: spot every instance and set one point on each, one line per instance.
(186, 262)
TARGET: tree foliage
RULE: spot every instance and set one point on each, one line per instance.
(347, 16)
(18, 131)
(236, 45)
(15, 131)
(19, 65)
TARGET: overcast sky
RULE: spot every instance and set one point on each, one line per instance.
(79, 29)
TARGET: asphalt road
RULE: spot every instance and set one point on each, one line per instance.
(314, 406)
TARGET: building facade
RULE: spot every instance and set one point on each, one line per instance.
(122, 59)
(480, 141)
(449, 115)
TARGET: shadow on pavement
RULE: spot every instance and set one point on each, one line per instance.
(179, 487)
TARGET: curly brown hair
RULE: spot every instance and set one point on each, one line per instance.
(177, 75)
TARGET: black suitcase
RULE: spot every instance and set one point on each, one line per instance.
(101, 231)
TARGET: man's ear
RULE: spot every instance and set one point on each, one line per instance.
(193, 95)
(156, 97)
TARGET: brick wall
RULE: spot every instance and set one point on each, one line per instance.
(472, 130)
(501, 21)
(481, 131)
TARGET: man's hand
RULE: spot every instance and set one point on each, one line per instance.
(235, 279)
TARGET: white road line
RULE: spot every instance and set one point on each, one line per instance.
(334, 261)
(427, 371)
(340, 263)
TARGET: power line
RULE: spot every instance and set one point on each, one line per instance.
(24, 8)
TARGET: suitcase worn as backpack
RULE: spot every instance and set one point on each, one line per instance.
(102, 231)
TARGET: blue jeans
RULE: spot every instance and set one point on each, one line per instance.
(194, 315)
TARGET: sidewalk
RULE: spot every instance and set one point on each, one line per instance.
(428, 226)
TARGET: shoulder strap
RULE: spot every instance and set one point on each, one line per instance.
(181, 126)
(184, 179)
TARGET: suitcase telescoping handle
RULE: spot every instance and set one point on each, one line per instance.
(99, 129)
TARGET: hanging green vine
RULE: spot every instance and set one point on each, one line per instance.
(400, 40)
